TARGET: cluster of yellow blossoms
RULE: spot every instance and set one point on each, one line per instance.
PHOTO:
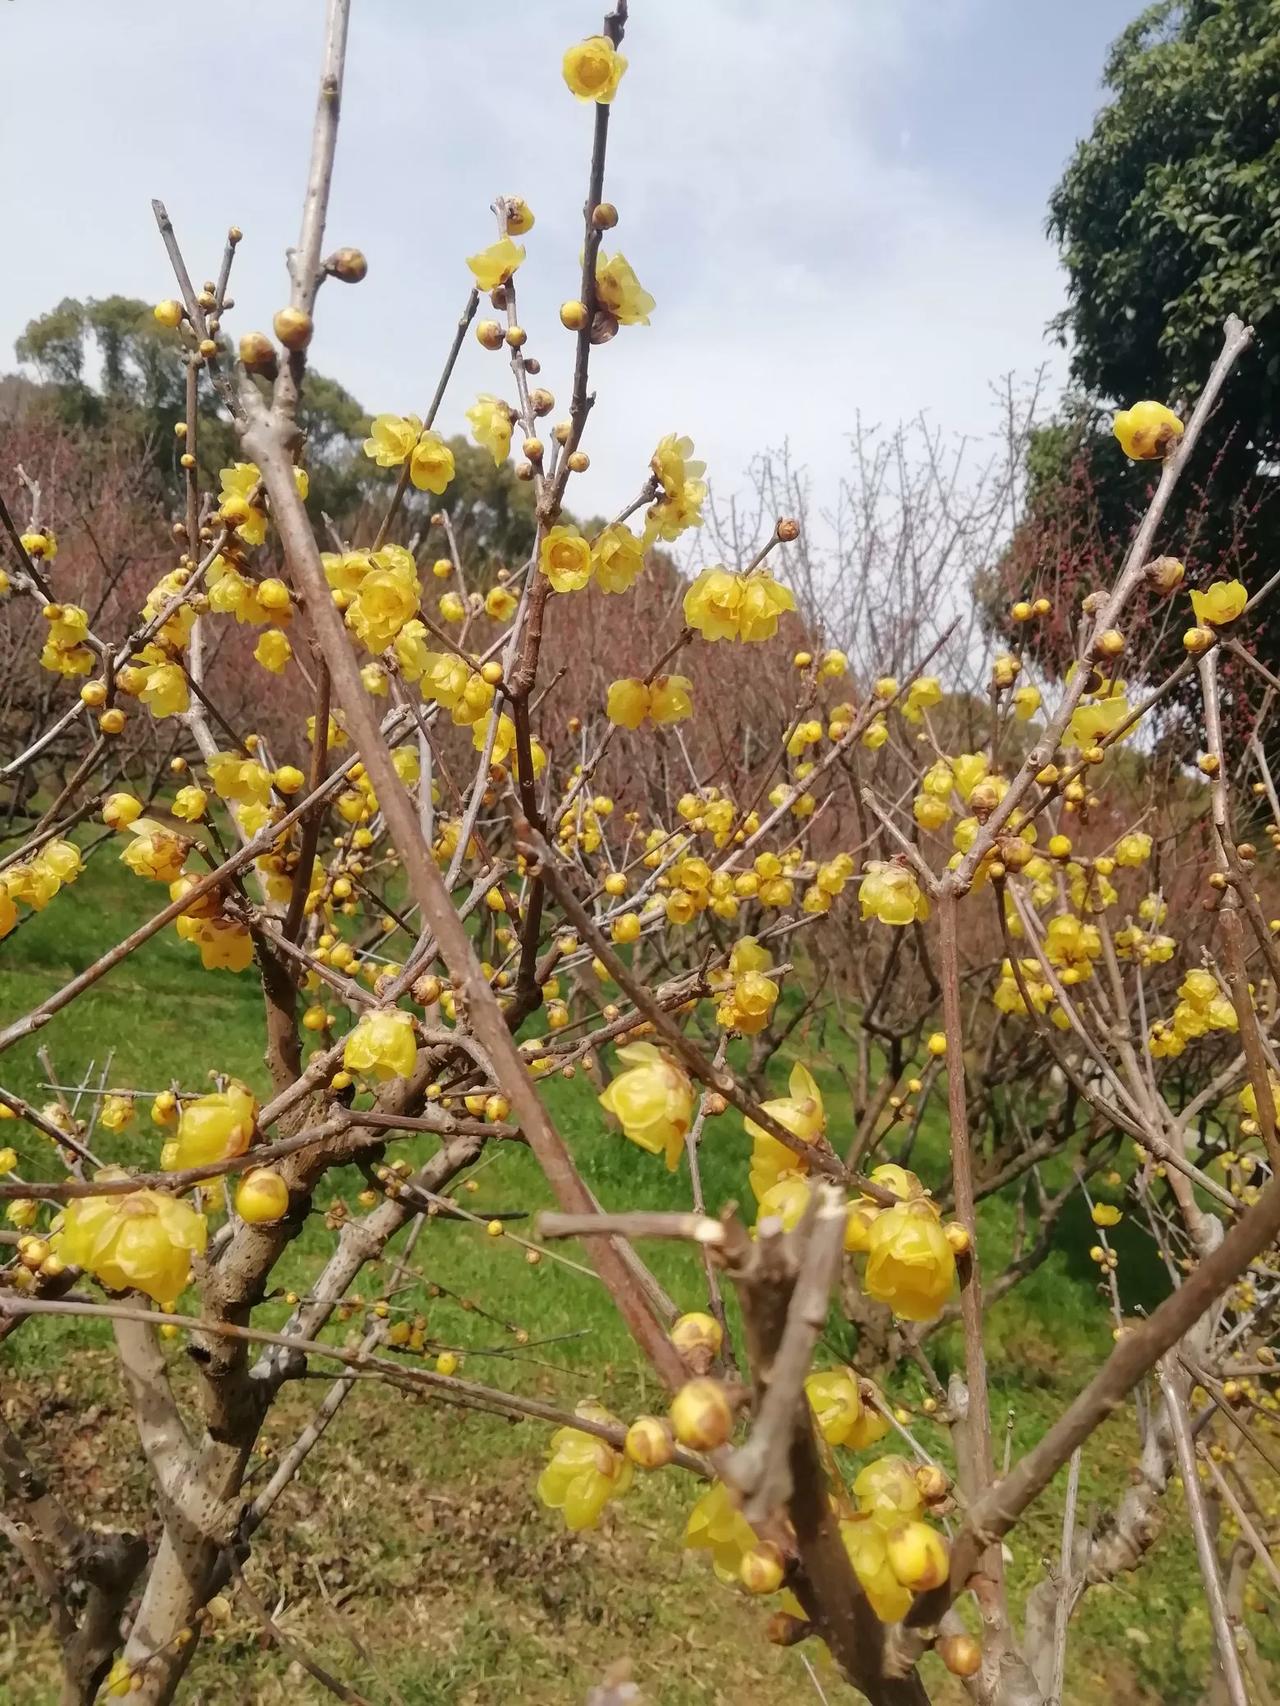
(144, 1240)
(724, 606)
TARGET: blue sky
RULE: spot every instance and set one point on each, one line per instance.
(838, 204)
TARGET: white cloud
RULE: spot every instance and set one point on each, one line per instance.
(803, 271)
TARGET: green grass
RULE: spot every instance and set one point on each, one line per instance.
(411, 1556)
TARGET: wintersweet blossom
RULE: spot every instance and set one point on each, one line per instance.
(923, 694)
(836, 1401)
(618, 557)
(273, 651)
(584, 1472)
(212, 1128)
(155, 851)
(494, 266)
(864, 1541)
(652, 1101)
(139, 1240)
(491, 422)
(382, 1045)
(565, 559)
(910, 1264)
(1147, 430)
(593, 69)
(620, 292)
(1220, 603)
(683, 490)
(889, 891)
(800, 1112)
(667, 699)
(716, 1525)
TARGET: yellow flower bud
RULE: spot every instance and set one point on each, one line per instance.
(649, 1444)
(1147, 430)
(961, 1654)
(918, 1556)
(262, 1196)
(698, 1338)
(762, 1569)
(293, 327)
(702, 1415)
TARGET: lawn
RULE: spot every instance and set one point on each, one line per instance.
(412, 1557)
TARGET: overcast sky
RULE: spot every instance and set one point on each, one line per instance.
(838, 204)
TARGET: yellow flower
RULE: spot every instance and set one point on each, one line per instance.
(716, 1525)
(490, 421)
(155, 851)
(887, 1492)
(166, 691)
(392, 438)
(890, 892)
(565, 559)
(618, 557)
(519, 215)
(683, 490)
(620, 291)
(652, 1101)
(627, 705)
(500, 603)
(713, 604)
(1091, 724)
(1133, 849)
(802, 1114)
(273, 650)
(1219, 604)
(411, 649)
(262, 1197)
(1147, 430)
(584, 1472)
(189, 803)
(918, 1556)
(239, 482)
(463, 692)
(40, 545)
(224, 944)
(593, 69)
(929, 811)
(142, 1240)
(382, 1045)
(344, 573)
(923, 694)
(451, 607)
(630, 701)
(504, 739)
(494, 266)
(966, 771)
(1026, 702)
(60, 860)
(212, 1128)
(431, 464)
(836, 1401)
(763, 601)
(670, 699)
(749, 1005)
(1105, 1214)
(910, 1264)
(117, 1112)
(388, 598)
(241, 779)
(864, 1541)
